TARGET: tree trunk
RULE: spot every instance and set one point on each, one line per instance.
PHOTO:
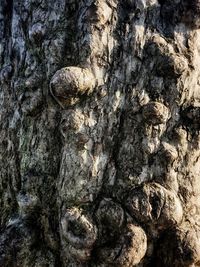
(99, 126)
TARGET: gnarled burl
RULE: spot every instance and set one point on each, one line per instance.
(99, 133)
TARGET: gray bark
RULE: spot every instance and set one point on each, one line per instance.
(99, 133)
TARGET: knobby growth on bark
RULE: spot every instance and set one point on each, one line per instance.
(99, 133)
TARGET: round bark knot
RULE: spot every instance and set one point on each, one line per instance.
(129, 249)
(70, 83)
(156, 46)
(188, 245)
(79, 232)
(183, 245)
(171, 65)
(155, 113)
(110, 218)
(72, 121)
(168, 63)
(154, 204)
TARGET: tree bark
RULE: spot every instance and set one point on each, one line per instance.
(99, 133)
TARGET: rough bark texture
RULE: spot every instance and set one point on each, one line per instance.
(99, 133)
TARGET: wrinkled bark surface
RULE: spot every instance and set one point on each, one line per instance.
(99, 133)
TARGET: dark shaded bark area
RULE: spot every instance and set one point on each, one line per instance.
(99, 133)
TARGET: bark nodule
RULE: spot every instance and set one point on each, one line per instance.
(99, 133)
